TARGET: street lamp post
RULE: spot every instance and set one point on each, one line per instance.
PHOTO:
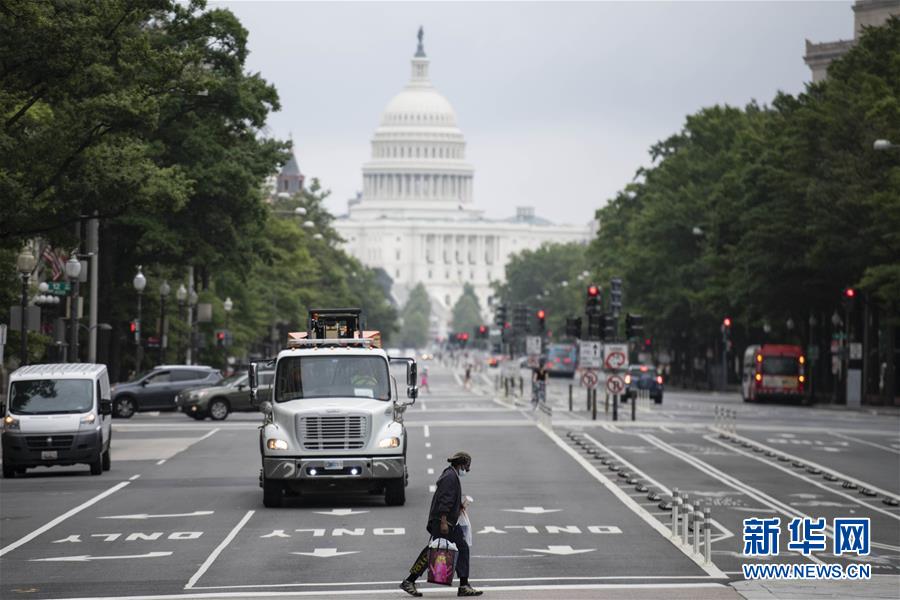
(836, 322)
(25, 265)
(192, 299)
(73, 272)
(227, 305)
(164, 290)
(139, 282)
(885, 145)
(810, 357)
(181, 296)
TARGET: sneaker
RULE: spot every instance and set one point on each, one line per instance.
(410, 588)
(468, 590)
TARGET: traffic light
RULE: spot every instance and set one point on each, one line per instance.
(615, 295)
(542, 320)
(726, 333)
(610, 327)
(849, 296)
(634, 326)
(135, 328)
(573, 327)
(726, 322)
(500, 315)
(482, 332)
(648, 344)
(595, 326)
(593, 302)
(220, 338)
(520, 319)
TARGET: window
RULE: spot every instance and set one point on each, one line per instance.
(332, 377)
(44, 396)
(188, 375)
(397, 252)
(162, 377)
(429, 273)
(398, 273)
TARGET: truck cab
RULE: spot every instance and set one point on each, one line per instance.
(333, 420)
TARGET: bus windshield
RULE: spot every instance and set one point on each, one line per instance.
(780, 365)
(51, 396)
(302, 377)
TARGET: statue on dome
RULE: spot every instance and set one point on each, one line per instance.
(420, 51)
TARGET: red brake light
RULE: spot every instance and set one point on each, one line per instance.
(643, 369)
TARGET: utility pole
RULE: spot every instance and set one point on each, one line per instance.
(93, 248)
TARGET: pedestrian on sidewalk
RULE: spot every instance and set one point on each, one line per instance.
(538, 384)
(446, 505)
(468, 380)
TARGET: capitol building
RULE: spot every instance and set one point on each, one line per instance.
(416, 217)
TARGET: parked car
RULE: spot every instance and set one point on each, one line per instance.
(643, 377)
(232, 394)
(157, 388)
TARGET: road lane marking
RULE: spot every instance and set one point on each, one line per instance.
(422, 406)
(432, 488)
(867, 443)
(856, 501)
(824, 469)
(215, 553)
(133, 477)
(532, 510)
(427, 431)
(430, 471)
(710, 569)
(196, 513)
(87, 558)
(428, 456)
(341, 512)
(559, 550)
(61, 518)
(159, 462)
(726, 533)
(326, 552)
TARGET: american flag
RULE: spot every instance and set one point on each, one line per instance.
(56, 263)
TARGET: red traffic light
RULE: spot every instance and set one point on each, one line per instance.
(726, 322)
(482, 329)
(541, 314)
(220, 335)
(593, 290)
(507, 325)
(464, 336)
(648, 342)
(132, 326)
(850, 293)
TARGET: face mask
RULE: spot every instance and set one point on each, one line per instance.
(462, 472)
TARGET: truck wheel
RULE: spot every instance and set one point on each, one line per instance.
(273, 493)
(9, 471)
(97, 464)
(107, 460)
(218, 409)
(395, 492)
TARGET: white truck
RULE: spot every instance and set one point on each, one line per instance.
(333, 420)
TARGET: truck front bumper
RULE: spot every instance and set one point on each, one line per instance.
(335, 468)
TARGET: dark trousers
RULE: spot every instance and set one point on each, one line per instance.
(462, 561)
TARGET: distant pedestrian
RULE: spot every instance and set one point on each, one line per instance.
(446, 505)
(468, 380)
(424, 384)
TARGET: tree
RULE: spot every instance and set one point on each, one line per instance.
(466, 311)
(416, 316)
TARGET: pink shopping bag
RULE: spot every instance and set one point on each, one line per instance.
(442, 556)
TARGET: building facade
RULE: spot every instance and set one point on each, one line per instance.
(866, 13)
(416, 217)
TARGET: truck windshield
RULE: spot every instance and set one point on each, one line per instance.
(332, 376)
(51, 396)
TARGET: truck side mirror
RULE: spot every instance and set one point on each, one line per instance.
(412, 375)
(412, 392)
(105, 406)
(253, 380)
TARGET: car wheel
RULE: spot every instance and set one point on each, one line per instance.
(8, 471)
(107, 460)
(218, 409)
(125, 407)
(97, 464)
(395, 492)
(273, 493)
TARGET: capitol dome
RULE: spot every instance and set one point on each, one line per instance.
(418, 152)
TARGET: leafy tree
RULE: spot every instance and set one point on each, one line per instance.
(415, 315)
(466, 311)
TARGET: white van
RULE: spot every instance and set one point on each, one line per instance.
(57, 414)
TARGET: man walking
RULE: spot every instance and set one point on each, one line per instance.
(446, 505)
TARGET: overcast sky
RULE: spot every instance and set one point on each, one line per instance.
(559, 102)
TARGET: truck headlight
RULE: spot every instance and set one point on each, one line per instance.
(276, 444)
(391, 442)
(88, 419)
(10, 423)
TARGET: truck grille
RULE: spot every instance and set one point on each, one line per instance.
(334, 433)
(49, 442)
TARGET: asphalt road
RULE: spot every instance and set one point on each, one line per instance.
(180, 514)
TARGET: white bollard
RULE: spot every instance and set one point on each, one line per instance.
(707, 534)
(676, 500)
(685, 519)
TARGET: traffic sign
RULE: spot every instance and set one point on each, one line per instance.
(616, 357)
(589, 379)
(615, 384)
(590, 355)
(533, 345)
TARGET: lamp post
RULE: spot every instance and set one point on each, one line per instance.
(885, 145)
(25, 265)
(837, 322)
(139, 282)
(164, 289)
(192, 311)
(73, 272)
(227, 305)
(181, 296)
(811, 356)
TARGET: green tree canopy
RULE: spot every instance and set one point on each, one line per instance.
(466, 311)
(416, 316)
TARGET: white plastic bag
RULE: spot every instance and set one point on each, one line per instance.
(443, 544)
(466, 526)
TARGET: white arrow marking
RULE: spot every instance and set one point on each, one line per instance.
(558, 550)
(325, 552)
(196, 513)
(341, 512)
(86, 558)
(533, 510)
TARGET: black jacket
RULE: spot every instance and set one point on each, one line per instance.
(447, 500)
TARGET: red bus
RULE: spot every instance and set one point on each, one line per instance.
(775, 371)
